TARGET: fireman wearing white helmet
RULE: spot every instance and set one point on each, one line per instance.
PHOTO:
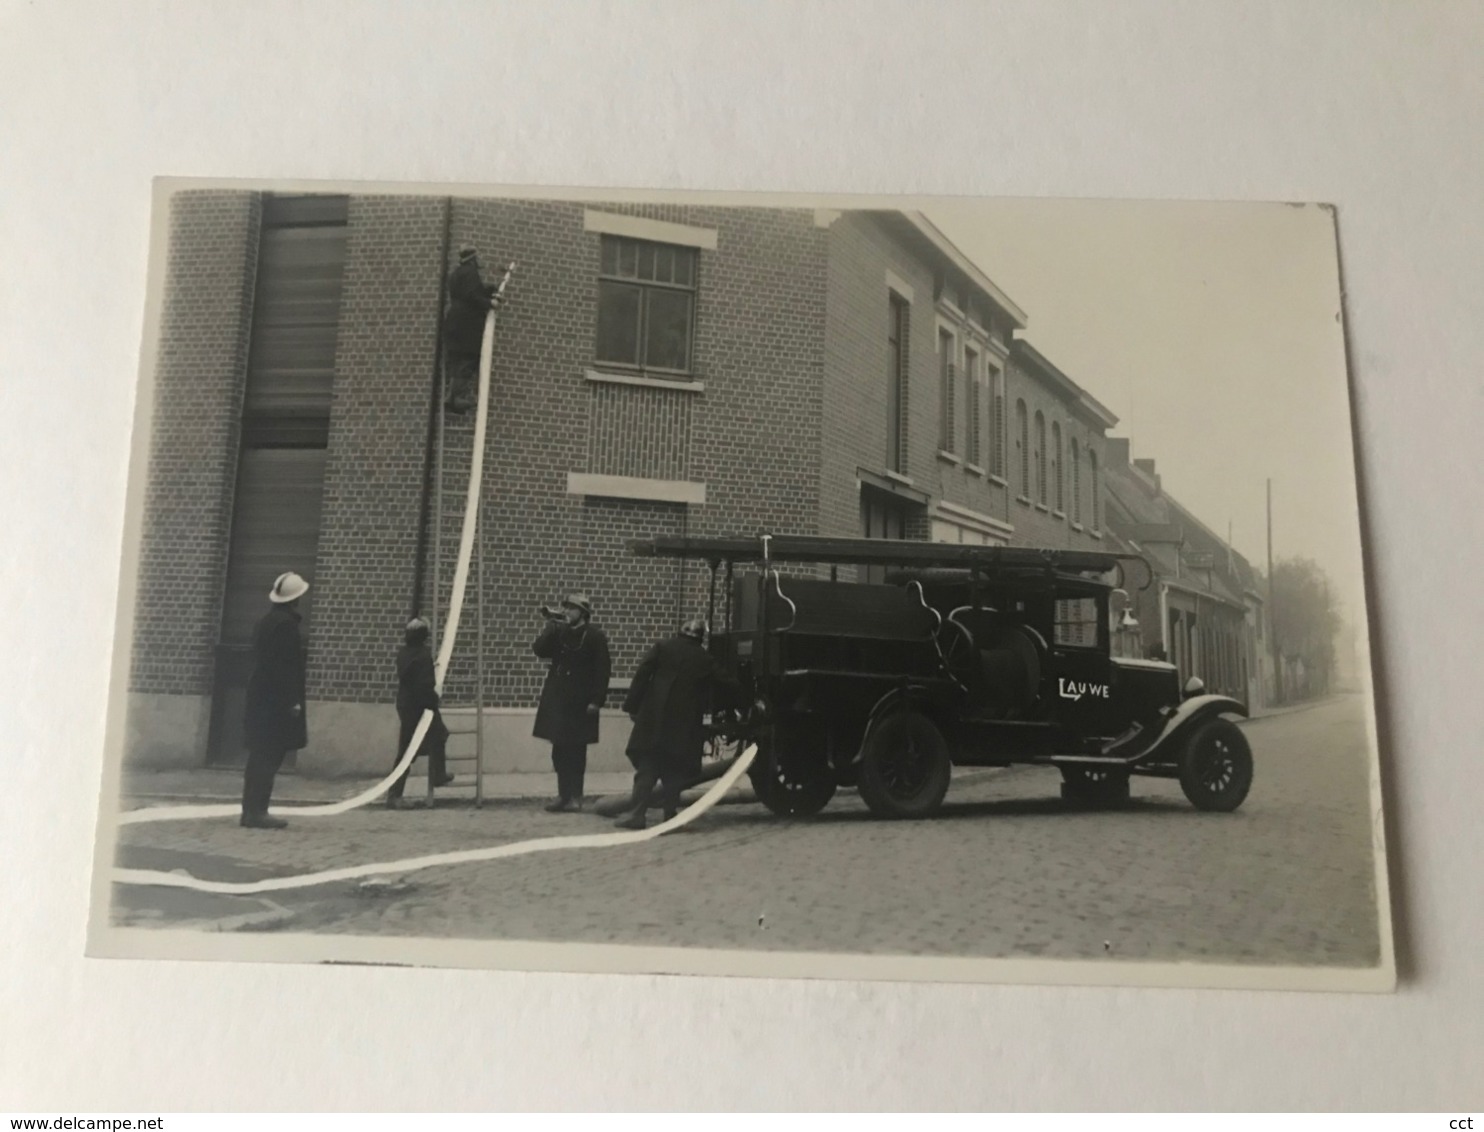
(274, 721)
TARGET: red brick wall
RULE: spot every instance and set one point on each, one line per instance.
(200, 374)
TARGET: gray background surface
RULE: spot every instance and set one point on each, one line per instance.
(1376, 107)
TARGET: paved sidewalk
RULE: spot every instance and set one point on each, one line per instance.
(224, 784)
(220, 784)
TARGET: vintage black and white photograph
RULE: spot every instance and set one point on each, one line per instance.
(932, 589)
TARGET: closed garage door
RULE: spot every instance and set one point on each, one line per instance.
(285, 429)
(275, 528)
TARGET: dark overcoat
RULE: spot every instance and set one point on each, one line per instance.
(578, 676)
(675, 685)
(276, 685)
(417, 692)
(468, 304)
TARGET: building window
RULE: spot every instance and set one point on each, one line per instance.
(973, 394)
(1097, 500)
(997, 422)
(1056, 476)
(646, 305)
(946, 391)
(896, 383)
(1076, 623)
(1074, 454)
(1023, 448)
(1040, 459)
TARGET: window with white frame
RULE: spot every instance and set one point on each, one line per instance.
(1056, 472)
(646, 305)
(897, 330)
(974, 395)
(1095, 484)
(1023, 447)
(997, 422)
(1040, 458)
(946, 391)
(1074, 454)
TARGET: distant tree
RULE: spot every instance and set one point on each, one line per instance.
(1305, 619)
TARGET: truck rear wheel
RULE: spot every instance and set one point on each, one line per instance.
(905, 766)
(1216, 767)
(791, 776)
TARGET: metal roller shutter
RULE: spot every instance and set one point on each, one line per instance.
(285, 429)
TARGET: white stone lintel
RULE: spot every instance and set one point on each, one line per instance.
(642, 228)
(632, 487)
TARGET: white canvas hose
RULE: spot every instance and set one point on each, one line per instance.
(458, 857)
(445, 650)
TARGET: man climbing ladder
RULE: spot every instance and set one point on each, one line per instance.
(470, 299)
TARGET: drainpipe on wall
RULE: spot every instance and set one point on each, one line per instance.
(430, 443)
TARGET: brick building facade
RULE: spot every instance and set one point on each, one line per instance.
(1204, 609)
(658, 369)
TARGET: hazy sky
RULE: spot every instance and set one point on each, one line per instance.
(1211, 332)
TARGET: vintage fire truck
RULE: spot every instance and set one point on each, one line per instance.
(882, 664)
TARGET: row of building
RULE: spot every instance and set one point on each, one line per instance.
(659, 370)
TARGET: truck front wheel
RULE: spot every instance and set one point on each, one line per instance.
(1216, 767)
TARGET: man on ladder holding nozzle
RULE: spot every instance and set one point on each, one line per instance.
(470, 299)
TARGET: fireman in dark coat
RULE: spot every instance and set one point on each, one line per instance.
(573, 695)
(470, 299)
(273, 721)
(417, 692)
(671, 693)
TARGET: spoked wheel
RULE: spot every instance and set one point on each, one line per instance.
(1094, 785)
(791, 775)
(905, 766)
(1216, 767)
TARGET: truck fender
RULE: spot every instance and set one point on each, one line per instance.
(906, 695)
(1191, 713)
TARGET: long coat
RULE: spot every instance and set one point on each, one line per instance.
(276, 685)
(578, 676)
(468, 304)
(671, 693)
(417, 691)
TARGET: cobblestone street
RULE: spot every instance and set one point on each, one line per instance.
(1005, 870)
